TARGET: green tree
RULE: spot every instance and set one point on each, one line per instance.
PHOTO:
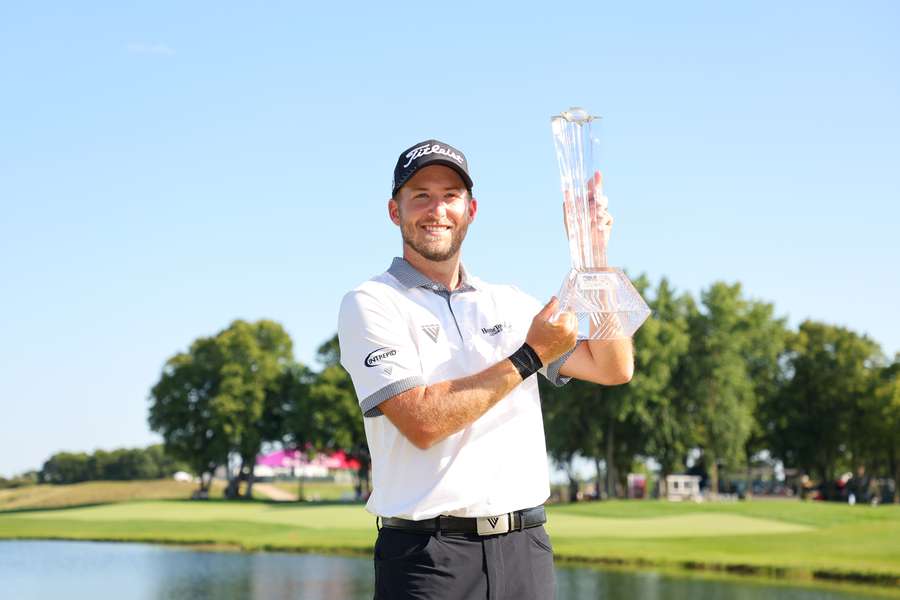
(25, 479)
(571, 424)
(878, 430)
(127, 464)
(733, 341)
(658, 386)
(618, 412)
(66, 467)
(766, 337)
(100, 465)
(164, 465)
(255, 355)
(181, 409)
(291, 412)
(888, 432)
(338, 421)
(651, 416)
(210, 401)
(829, 372)
(123, 464)
(321, 412)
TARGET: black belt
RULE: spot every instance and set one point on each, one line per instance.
(521, 519)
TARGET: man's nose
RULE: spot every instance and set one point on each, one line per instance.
(437, 208)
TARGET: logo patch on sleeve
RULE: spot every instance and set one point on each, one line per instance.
(376, 357)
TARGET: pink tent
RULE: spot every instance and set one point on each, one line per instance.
(281, 458)
(293, 458)
(339, 460)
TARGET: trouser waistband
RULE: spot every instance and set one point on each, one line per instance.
(520, 519)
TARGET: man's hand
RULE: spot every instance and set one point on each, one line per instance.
(593, 236)
(601, 220)
(552, 339)
(426, 415)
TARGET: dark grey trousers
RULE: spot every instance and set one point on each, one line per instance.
(516, 565)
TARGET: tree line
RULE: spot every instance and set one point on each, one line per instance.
(723, 378)
(21, 480)
(124, 464)
(720, 377)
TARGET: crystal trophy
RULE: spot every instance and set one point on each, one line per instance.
(604, 300)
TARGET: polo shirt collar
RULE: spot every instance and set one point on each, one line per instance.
(409, 276)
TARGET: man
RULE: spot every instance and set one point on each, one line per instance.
(443, 365)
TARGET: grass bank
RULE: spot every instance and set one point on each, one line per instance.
(788, 540)
(37, 497)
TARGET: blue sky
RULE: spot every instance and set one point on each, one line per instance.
(165, 169)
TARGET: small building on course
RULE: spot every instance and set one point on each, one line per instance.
(682, 487)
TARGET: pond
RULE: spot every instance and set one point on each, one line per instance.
(92, 570)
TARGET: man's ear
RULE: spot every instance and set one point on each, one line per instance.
(394, 211)
(473, 209)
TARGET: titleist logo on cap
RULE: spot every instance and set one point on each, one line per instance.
(425, 153)
(431, 149)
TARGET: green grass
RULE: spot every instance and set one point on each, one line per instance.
(315, 490)
(783, 539)
(775, 538)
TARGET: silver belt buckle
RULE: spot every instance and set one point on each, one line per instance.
(492, 525)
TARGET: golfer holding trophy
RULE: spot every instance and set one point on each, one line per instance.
(444, 368)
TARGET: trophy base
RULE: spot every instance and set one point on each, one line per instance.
(605, 302)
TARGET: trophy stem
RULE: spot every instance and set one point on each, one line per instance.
(584, 204)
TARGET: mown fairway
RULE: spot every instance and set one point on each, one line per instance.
(790, 539)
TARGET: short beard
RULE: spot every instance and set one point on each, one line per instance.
(456, 240)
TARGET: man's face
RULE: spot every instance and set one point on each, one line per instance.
(433, 211)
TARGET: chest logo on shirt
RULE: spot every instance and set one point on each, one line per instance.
(376, 357)
(495, 329)
(432, 331)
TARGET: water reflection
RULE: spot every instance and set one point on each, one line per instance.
(274, 576)
(88, 571)
(597, 584)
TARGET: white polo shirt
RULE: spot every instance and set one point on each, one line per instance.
(400, 330)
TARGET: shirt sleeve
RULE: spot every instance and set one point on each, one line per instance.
(377, 350)
(551, 371)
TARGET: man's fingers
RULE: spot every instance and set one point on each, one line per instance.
(548, 309)
(568, 320)
(603, 202)
(595, 184)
